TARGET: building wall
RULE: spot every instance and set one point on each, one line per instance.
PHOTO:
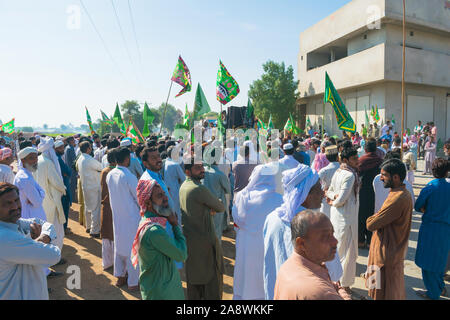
(429, 13)
(438, 111)
(374, 37)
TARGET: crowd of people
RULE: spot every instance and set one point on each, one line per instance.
(299, 217)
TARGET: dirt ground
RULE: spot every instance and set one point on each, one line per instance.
(85, 252)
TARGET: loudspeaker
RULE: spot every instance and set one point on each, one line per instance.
(237, 117)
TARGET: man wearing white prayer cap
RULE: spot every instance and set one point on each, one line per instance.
(251, 207)
(302, 190)
(135, 167)
(49, 177)
(288, 161)
(31, 194)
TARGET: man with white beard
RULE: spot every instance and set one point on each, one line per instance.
(125, 208)
(50, 179)
(31, 194)
(251, 207)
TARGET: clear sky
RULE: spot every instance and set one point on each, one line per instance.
(51, 67)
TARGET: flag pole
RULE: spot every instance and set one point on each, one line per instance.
(165, 107)
(323, 120)
(403, 74)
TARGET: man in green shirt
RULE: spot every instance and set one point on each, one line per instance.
(157, 252)
(204, 265)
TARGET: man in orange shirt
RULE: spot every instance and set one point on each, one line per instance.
(304, 275)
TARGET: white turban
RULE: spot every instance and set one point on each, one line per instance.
(46, 148)
(125, 142)
(297, 183)
(58, 143)
(25, 152)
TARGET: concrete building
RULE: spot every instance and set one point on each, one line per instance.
(360, 46)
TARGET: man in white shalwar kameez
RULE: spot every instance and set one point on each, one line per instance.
(381, 193)
(326, 174)
(125, 209)
(30, 192)
(343, 197)
(302, 190)
(50, 179)
(251, 207)
(288, 160)
(89, 171)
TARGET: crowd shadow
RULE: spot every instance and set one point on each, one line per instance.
(103, 288)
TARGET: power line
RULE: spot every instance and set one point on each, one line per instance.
(121, 32)
(134, 32)
(101, 38)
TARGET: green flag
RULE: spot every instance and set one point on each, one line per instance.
(134, 134)
(308, 123)
(148, 120)
(288, 125)
(118, 120)
(186, 121)
(295, 130)
(8, 127)
(89, 121)
(270, 124)
(226, 87)
(393, 120)
(344, 120)
(367, 117)
(201, 105)
(105, 118)
(187, 118)
(250, 109)
(377, 115)
(220, 128)
(261, 124)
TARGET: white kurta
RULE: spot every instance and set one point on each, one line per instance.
(248, 270)
(289, 162)
(122, 186)
(89, 171)
(6, 174)
(53, 185)
(31, 195)
(344, 217)
(326, 175)
(381, 193)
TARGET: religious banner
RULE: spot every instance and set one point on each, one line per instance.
(182, 76)
(226, 87)
(134, 134)
(288, 125)
(8, 127)
(344, 120)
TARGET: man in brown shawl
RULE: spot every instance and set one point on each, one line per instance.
(106, 220)
(369, 168)
(390, 226)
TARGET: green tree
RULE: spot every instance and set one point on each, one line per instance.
(275, 93)
(133, 109)
(173, 116)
